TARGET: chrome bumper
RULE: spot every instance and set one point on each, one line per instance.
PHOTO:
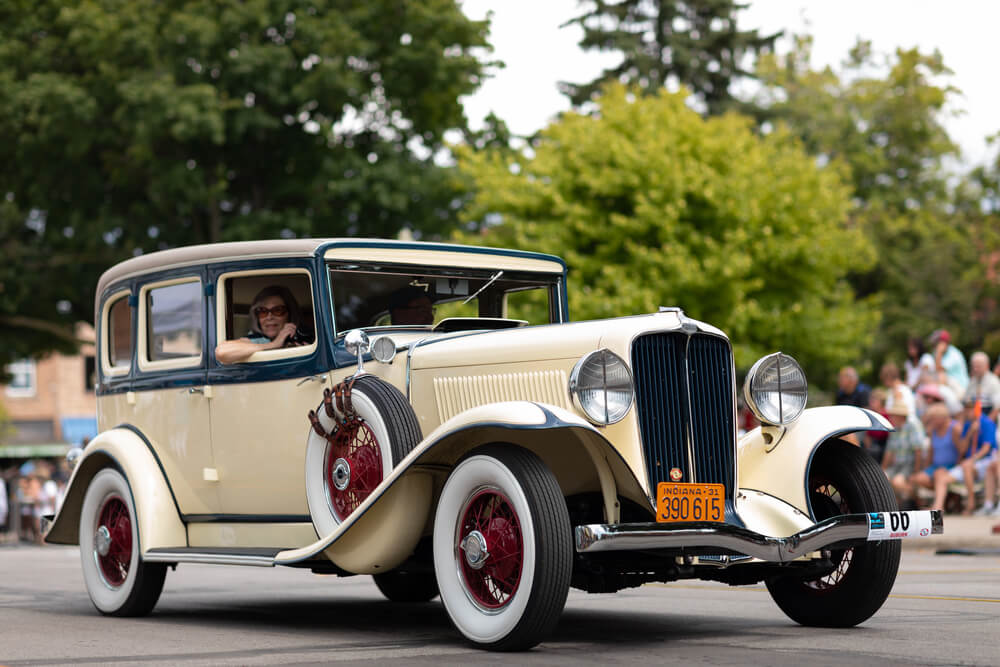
(841, 530)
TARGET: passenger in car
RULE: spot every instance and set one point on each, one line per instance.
(411, 305)
(275, 319)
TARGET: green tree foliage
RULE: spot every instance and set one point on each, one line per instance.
(652, 205)
(695, 43)
(881, 117)
(132, 126)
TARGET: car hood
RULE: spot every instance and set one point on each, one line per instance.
(554, 341)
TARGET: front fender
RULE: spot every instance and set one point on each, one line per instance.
(159, 522)
(385, 528)
(776, 459)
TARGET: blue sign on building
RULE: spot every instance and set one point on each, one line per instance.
(75, 429)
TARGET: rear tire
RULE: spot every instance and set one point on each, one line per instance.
(843, 479)
(400, 586)
(118, 581)
(503, 548)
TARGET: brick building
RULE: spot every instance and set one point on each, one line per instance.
(50, 403)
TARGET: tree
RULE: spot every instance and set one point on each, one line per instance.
(133, 126)
(881, 117)
(695, 43)
(652, 205)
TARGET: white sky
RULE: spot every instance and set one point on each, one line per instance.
(526, 36)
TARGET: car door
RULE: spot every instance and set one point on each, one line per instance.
(170, 400)
(259, 406)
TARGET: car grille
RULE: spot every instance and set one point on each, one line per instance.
(684, 390)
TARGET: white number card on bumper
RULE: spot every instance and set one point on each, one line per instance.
(897, 525)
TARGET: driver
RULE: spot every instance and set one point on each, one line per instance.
(274, 320)
(411, 305)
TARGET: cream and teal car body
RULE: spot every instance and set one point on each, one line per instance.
(499, 456)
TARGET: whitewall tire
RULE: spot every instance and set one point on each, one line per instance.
(340, 479)
(118, 581)
(503, 551)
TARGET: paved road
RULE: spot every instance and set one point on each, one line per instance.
(944, 610)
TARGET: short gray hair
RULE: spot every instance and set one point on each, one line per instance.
(980, 355)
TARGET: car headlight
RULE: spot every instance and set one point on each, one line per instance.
(601, 386)
(776, 390)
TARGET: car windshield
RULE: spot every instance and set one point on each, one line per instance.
(375, 295)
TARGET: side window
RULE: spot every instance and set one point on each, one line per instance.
(119, 328)
(256, 305)
(174, 322)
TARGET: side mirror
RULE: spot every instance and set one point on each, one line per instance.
(356, 342)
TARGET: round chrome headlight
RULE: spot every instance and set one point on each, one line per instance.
(776, 390)
(383, 349)
(601, 386)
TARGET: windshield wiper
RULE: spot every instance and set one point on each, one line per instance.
(489, 282)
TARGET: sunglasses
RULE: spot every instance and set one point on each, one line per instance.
(277, 311)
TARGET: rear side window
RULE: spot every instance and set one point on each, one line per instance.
(174, 325)
(119, 333)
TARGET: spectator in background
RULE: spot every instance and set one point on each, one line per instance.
(917, 361)
(897, 391)
(851, 391)
(942, 454)
(991, 480)
(3, 504)
(875, 440)
(904, 453)
(983, 384)
(975, 438)
(949, 362)
(930, 392)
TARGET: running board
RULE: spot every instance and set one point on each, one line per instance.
(846, 529)
(260, 557)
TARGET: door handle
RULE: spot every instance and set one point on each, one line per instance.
(311, 378)
(205, 391)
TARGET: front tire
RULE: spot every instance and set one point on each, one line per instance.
(118, 581)
(843, 479)
(503, 551)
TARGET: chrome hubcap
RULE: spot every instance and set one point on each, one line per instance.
(102, 540)
(341, 474)
(476, 553)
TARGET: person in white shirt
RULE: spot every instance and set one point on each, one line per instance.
(983, 385)
(917, 361)
(3, 502)
(897, 393)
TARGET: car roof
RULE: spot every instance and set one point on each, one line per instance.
(242, 250)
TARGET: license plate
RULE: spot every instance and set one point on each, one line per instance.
(690, 502)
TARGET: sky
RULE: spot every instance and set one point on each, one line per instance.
(527, 37)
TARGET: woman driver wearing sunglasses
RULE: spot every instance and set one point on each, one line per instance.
(274, 319)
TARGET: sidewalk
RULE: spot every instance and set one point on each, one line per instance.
(961, 532)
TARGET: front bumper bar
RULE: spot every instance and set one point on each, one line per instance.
(843, 530)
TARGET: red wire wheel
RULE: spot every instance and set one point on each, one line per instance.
(353, 467)
(828, 502)
(490, 549)
(114, 563)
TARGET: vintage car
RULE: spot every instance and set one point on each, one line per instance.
(434, 419)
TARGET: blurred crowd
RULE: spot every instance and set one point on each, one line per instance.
(943, 452)
(28, 492)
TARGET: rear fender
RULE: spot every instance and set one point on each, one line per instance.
(384, 530)
(126, 449)
(775, 460)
